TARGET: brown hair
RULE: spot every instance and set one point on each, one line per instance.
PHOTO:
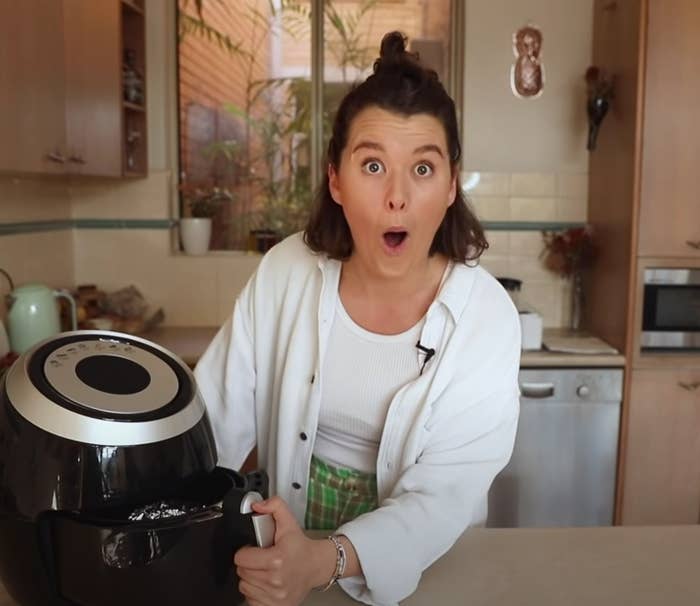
(399, 84)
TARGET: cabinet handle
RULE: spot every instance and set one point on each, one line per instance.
(693, 244)
(56, 157)
(689, 386)
(77, 160)
(537, 390)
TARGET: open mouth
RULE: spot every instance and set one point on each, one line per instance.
(394, 239)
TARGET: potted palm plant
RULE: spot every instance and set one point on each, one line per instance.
(203, 203)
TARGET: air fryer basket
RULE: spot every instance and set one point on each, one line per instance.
(107, 559)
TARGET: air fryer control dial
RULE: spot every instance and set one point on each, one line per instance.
(103, 387)
(111, 376)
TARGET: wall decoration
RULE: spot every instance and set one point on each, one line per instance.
(599, 90)
(527, 73)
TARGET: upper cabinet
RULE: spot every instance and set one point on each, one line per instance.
(32, 102)
(65, 83)
(669, 220)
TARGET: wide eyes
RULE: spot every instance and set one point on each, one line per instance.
(375, 167)
(423, 169)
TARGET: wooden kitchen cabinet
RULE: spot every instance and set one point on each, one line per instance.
(62, 107)
(32, 101)
(669, 221)
(662, 469)
(644, 183)
(93, 87)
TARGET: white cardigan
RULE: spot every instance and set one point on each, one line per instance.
(447, 433)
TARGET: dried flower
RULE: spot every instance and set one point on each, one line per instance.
(598, 84)
(568, 252)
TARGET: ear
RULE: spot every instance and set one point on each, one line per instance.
(333, 184)
(453, 189)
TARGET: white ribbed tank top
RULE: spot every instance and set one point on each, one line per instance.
(362, 373)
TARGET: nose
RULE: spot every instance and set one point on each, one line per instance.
(397, 194)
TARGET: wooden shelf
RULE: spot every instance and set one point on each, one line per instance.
(130, 5)
(134, 119)
(133, 106)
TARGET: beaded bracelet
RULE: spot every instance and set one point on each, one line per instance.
(340, 559)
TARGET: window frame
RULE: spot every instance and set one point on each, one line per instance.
(454, 86)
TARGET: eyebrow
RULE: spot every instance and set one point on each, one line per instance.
(419, 150)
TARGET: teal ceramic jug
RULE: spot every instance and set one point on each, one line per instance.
(33, 315)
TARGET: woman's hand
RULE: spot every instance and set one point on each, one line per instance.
(284, 574)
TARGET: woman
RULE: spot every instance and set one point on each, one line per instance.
(372, 363)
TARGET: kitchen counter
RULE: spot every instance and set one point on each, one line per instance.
(600, 353)
(553, 359)
(603, 566)
(189, 342)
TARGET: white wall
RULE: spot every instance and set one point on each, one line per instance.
(506, 134)
(525, 159)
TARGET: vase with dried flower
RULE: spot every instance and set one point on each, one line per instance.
(567, 253)
(599, 90)
(203, 204)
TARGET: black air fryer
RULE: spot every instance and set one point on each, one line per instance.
(109, 489)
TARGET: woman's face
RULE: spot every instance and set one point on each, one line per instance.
(395, 184)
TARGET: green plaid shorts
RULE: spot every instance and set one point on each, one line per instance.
(337, 495)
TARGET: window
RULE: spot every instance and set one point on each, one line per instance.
(251, 77)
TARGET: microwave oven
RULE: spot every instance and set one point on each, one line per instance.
(671, 309)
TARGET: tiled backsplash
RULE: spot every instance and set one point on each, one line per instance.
(201, 290)
(543, 197)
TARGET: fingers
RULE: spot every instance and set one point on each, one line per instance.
(260, 578)
(262, 595)
(279, 510)
(257, 558)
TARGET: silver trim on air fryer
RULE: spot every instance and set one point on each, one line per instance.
(36, 408)
(60, 370)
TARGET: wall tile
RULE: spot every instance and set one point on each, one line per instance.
(533, 209)
(33, 199)
(525, 243)
(543, 297)
(232, 274)
(148, 198)
(572, 185)
(491, 208)
(485, 184)
(496, 265)
(572, 209)
(499, 242)
(533, 184)
(528, 268)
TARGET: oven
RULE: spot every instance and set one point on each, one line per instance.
(671, 309)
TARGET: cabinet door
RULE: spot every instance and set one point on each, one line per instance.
(93, 85)
(670, 189)
(32, 108)
(662, 468)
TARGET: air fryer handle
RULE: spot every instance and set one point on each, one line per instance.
(44, 525)
(244, 525)
(259, 482)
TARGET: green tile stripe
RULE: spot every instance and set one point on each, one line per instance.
(27, 227)
(7, 229)
(530, 225)
(124, 223)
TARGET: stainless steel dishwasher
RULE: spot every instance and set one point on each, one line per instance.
(563, 468)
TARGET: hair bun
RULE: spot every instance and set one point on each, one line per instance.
(392, 52)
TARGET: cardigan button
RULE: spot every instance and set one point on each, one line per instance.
(303, 436)
(296, 485)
